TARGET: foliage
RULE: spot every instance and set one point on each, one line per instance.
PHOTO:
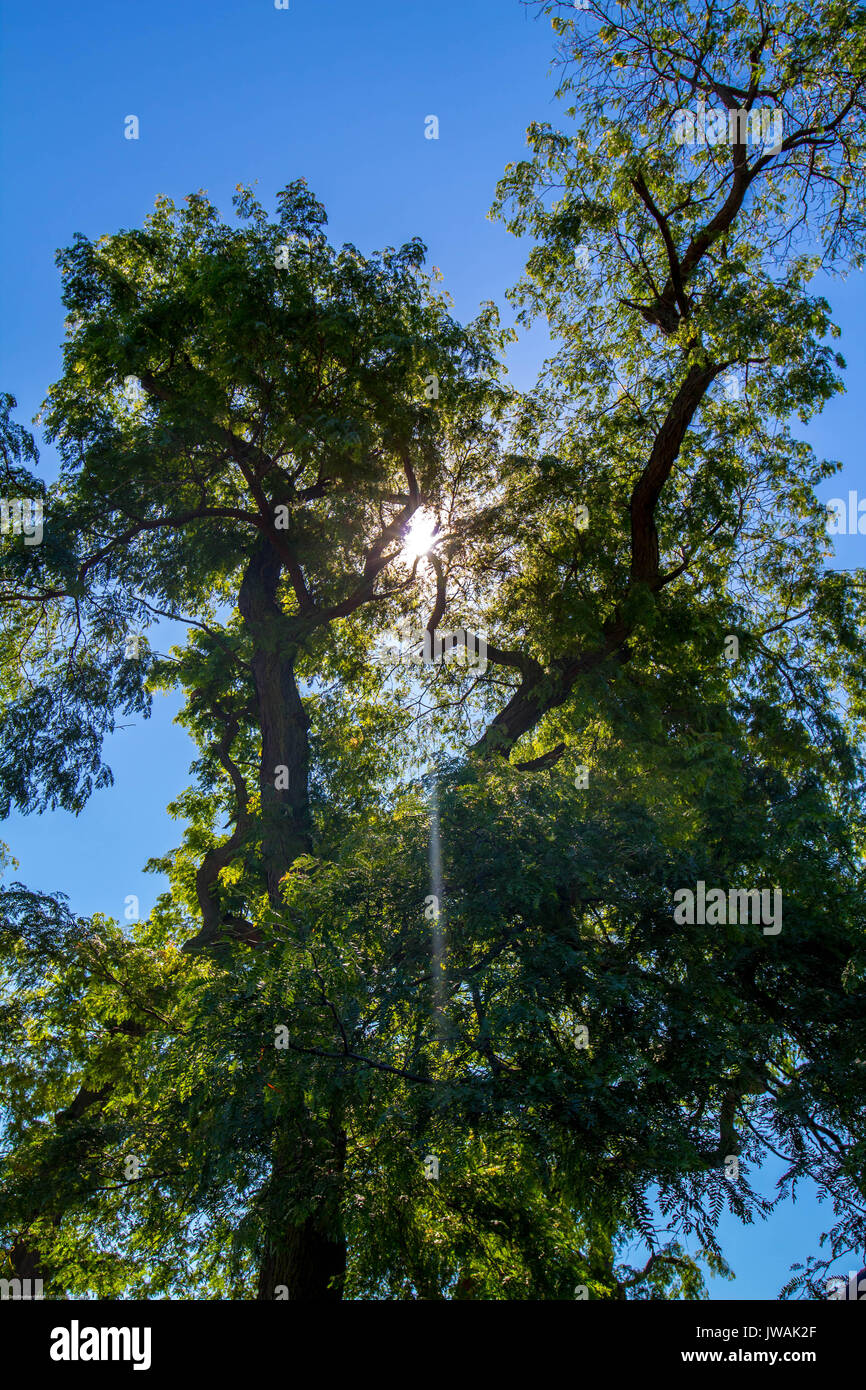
(239, 1095)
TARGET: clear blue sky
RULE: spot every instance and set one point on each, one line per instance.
(235, 91)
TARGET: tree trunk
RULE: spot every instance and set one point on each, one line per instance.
(305, 1260)
(284, 723)
(309, 1266)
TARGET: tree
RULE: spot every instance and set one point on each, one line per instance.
(383, 964)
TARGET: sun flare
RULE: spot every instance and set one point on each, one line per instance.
(421, 536)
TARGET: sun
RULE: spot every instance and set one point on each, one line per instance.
(421, 535)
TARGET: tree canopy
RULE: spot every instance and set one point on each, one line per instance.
(416, 1017)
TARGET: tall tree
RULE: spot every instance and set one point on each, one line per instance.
(672, 694)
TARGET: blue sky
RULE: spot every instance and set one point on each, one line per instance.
(236, 91)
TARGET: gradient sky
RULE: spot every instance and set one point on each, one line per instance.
(235, 91)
